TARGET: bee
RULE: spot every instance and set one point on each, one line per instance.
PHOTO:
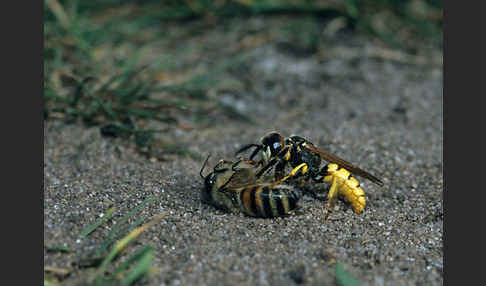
(278, 152)
(234, 187)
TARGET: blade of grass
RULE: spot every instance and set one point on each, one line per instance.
(92, 227)
(140, 269)
(57, 270)
(132, 212)
(113, 79)
(80, 91)
(51, 282)
(149, 114)
(344, 278)
(105, 107)
(133, 93)
(121, 244)
(59, 12)
(114, 233)
(57, 248)
(178, 149)
(110, 240)
(134, 258)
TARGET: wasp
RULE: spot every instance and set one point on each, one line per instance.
(278, 152)
(234, 187)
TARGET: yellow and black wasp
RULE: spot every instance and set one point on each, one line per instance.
(234, 187)
(279, 152)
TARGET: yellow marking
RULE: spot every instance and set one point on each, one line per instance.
(258, 201)
(273, 203)
(347, 188)
(302, 166)
(355, 196)
(287, 155)
(247, 200)
(358, 201)
(352, 182)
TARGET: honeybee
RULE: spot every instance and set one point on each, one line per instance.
(279, 152)
(234, 187)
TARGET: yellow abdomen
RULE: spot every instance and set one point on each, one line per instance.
(354, 195)
(348, 187)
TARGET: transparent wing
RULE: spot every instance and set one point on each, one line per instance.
(344, 164)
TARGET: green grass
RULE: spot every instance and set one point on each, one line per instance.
(344, 278)
(141, 260)
(113, 265)
(120, 228)
(84, 81)
(92, 227)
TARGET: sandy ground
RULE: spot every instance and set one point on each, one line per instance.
(383, 116)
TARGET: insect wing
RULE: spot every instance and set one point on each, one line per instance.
(344, 164)
(241, 178)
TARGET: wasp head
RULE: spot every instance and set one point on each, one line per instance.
(272, 144)
(297, 140)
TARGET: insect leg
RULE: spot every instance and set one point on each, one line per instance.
(235, 164)
(221, 162)
(270, 164)
(292, 173)
(279, 169)
(331, 197)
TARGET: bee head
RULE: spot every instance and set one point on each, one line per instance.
(220, 175)
(209, 181)
(272, 144)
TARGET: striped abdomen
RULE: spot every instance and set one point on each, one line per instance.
(351, 191)
(354, 195)
(263, 201)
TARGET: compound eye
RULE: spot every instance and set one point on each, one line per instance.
(210, 181)
(276, 146)
(274, 142)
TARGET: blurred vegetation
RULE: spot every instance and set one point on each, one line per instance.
(104, 65)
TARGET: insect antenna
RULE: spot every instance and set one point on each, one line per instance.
(203, 166)
(246, 147)
(257, 149)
